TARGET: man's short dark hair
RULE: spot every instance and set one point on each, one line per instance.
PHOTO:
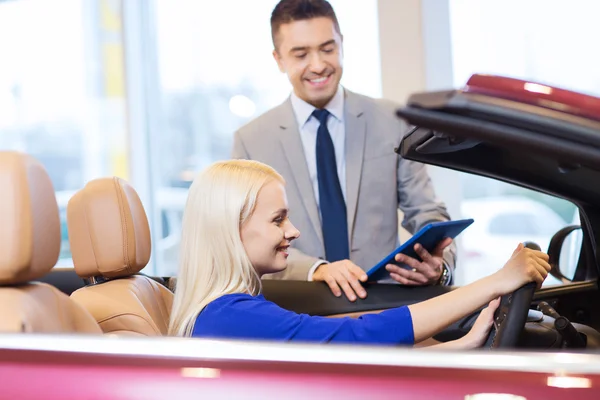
(287, 11)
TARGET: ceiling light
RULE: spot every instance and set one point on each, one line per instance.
(242, 106)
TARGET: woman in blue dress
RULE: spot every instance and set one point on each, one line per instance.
(236, 229)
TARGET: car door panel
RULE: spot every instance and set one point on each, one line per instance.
(312, 298)
(315, 298)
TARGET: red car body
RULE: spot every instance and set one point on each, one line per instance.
(62, 367)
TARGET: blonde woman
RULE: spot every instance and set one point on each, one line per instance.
(236, 229)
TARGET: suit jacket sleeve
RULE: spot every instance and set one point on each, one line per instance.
(299, 263)
(418, 202)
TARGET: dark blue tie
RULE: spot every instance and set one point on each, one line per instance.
(331, 198)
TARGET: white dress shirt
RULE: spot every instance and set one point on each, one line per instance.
(308, 126)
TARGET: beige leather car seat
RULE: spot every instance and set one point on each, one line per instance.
(110, 243)
(29, 248)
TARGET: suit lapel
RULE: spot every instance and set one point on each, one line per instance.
(289, 136)
(355, 129)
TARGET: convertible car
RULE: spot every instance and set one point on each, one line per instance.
(544, 343)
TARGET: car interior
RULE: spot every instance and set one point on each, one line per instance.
(30, 234)
(110, 243)
(507, 140)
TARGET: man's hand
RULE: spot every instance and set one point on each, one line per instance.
(342, 275)
(426, 272)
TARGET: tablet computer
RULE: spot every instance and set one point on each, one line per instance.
(429, 236)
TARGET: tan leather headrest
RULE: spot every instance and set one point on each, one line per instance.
(29, 219)
(108, 229)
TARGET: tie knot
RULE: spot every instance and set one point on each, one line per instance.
(321, 115)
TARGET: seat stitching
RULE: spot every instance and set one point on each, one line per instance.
(129, 314)
(123, 225)
(89, 231)
(149, 282)
(135, 282)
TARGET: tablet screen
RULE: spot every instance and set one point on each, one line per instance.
(429, 236)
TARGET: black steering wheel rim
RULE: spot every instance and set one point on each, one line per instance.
(510, 318)
(511, 315)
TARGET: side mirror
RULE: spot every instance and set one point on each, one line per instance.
(564, 250)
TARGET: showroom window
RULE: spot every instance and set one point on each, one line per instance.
(550, 41)
(61, 91)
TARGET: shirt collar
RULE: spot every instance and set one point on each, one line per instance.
(303, 110)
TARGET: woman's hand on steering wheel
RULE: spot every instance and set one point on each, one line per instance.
(524, 266)
(480, 330)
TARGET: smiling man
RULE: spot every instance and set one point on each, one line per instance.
(335, 149)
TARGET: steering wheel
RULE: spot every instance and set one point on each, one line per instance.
(511, 314)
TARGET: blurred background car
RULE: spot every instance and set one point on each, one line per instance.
(500, 223)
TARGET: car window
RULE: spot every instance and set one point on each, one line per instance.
(514, 224)
(504, 215)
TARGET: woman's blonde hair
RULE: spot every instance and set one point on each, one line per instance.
(213, 261)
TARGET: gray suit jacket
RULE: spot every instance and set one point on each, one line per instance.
(378, 182)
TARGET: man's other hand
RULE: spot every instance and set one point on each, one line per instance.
(421, 273)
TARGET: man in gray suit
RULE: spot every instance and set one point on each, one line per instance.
(335, 150)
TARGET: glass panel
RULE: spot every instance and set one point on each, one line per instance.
(542, 40)
(504, 216)
(61, 91)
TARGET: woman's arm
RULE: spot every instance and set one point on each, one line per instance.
(434, 315)
(242, 316)
(247, 317)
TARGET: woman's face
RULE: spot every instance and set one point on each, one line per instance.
(267, 234)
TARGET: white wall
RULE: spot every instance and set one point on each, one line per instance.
(416, 56)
